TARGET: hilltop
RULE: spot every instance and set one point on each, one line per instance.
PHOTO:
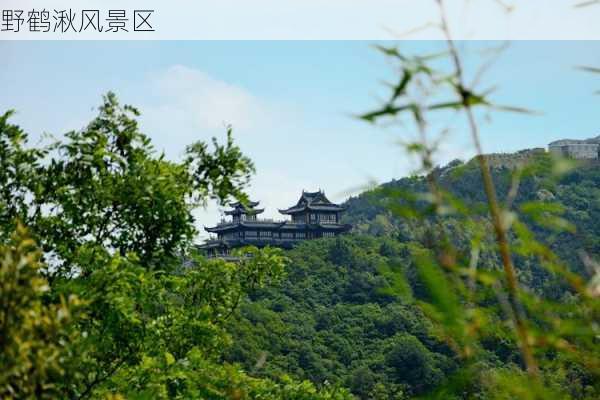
(343, 316)
(576, 192)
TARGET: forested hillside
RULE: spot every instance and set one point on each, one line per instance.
(575, 193)
(348, 311)
(95, 303)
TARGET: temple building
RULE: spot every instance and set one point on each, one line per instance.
(313, 216)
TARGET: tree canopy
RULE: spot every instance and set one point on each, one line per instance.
(103, 294)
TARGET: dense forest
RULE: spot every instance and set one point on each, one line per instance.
(475, 280)
(348, 312)
(104, 295)
(575, 193)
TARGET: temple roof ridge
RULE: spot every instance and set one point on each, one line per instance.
(249, 203)
(313, 201)
(248, 208)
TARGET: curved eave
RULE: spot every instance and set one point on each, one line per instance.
(249, 203)
(247, 212)
(215, 229)
(291, 210)
(258, 224)
(332, 208)
(245, 224)
(336, 227)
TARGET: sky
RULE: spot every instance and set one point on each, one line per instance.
(292, 104)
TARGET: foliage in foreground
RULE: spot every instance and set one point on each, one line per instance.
(475, 262)
(33, 335)
(501, 263)
(114, 302)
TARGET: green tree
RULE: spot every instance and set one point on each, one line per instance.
(33, 334)
(468, 258)
(18, 170)
(114, 220)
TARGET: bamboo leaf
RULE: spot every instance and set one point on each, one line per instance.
(387, 110)
(400, 89)
(520, 110)
(455, 105)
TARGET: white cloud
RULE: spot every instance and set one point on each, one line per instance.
(188, 104)
(209, 102)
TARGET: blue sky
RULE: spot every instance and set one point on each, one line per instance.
(291, 103)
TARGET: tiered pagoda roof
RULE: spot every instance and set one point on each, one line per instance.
(228, 226)
(244, 228)
(316, 201)
(248, 208)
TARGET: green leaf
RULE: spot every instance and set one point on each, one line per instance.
(400, 89)
(386, 111)
(170, 360)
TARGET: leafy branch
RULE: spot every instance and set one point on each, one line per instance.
(425, 87)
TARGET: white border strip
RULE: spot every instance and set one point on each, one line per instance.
(326, 19)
